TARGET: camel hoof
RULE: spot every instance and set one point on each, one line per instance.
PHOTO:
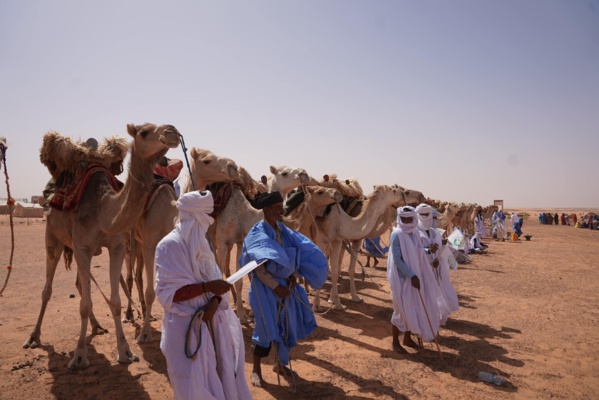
(144, 338)
(98, 330)
(356, 299)
(337, 305)
(32, 342)
(128, 358)
(78, 363)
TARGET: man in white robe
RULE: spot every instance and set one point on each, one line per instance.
(499, 220)
(210, 363)
(479, 225)
(410, 277)
(439, 262)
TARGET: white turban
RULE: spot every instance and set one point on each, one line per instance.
(405, 212)
(425, 216)
(194, 221)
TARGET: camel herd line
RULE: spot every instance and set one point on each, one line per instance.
(129, 221)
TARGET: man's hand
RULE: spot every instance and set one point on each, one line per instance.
(292, 281)
(415, 282)
(218, 287)
(435, 263)
(282, 291)
(434, 247)
(210, 309)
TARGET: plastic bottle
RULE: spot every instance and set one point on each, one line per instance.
(487, 377)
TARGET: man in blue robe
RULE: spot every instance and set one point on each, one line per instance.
(283, 314)
(375, 250)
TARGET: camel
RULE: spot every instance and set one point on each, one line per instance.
(101, 219)
(382, 225)
(285, 179)
(337, 226)
(207, 168)
(488, 214)
(60, 154)
(446, 218)
(160, 218)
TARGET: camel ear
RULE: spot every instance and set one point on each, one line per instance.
(131, 130)
(193, 153)
(309, 189)
(273, 170)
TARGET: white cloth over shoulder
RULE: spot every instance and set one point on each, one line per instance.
(184, 257)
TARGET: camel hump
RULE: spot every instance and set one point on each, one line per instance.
(60, 153)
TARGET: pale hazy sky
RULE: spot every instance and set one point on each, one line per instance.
(463, 100)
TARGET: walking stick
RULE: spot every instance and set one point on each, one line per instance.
(430, 325)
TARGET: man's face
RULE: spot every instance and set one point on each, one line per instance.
(424, 215)
(274, 213)
(406, 220)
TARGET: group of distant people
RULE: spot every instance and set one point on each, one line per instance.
(590, 220)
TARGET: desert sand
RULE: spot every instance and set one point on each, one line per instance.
(529, 311)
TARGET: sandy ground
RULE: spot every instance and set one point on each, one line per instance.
(529, 312)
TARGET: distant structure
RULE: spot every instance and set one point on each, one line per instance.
(498, 203)
(38, 200)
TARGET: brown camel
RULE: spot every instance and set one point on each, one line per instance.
(101, 219)
(382, 225)
(337, 226)
(160, 218)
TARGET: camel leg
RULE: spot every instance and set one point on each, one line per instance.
(53, 251)
(138, 271)
(334, 297)
(97, 329)
(83, 258)
(227, 273)
(316, 304)
(352, 272)
(117, 255)
(145, 335)
(129, 265)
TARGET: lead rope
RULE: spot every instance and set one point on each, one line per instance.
(10, 203)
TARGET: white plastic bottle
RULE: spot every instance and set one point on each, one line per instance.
(487, 377)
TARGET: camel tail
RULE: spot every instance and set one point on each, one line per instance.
(68, 257)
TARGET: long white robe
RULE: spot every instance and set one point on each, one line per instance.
(408, 311)
(442, 275)
(179, 263)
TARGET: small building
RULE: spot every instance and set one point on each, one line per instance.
(28, 210)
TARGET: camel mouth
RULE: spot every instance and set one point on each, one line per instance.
(170, 142)
(303, 178)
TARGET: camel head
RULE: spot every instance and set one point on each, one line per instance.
(413, 197)
(321, 196)
(151, 142)
(285, 179)
(207, 168)
(391, 196)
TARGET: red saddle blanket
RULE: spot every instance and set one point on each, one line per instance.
(68, 196)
